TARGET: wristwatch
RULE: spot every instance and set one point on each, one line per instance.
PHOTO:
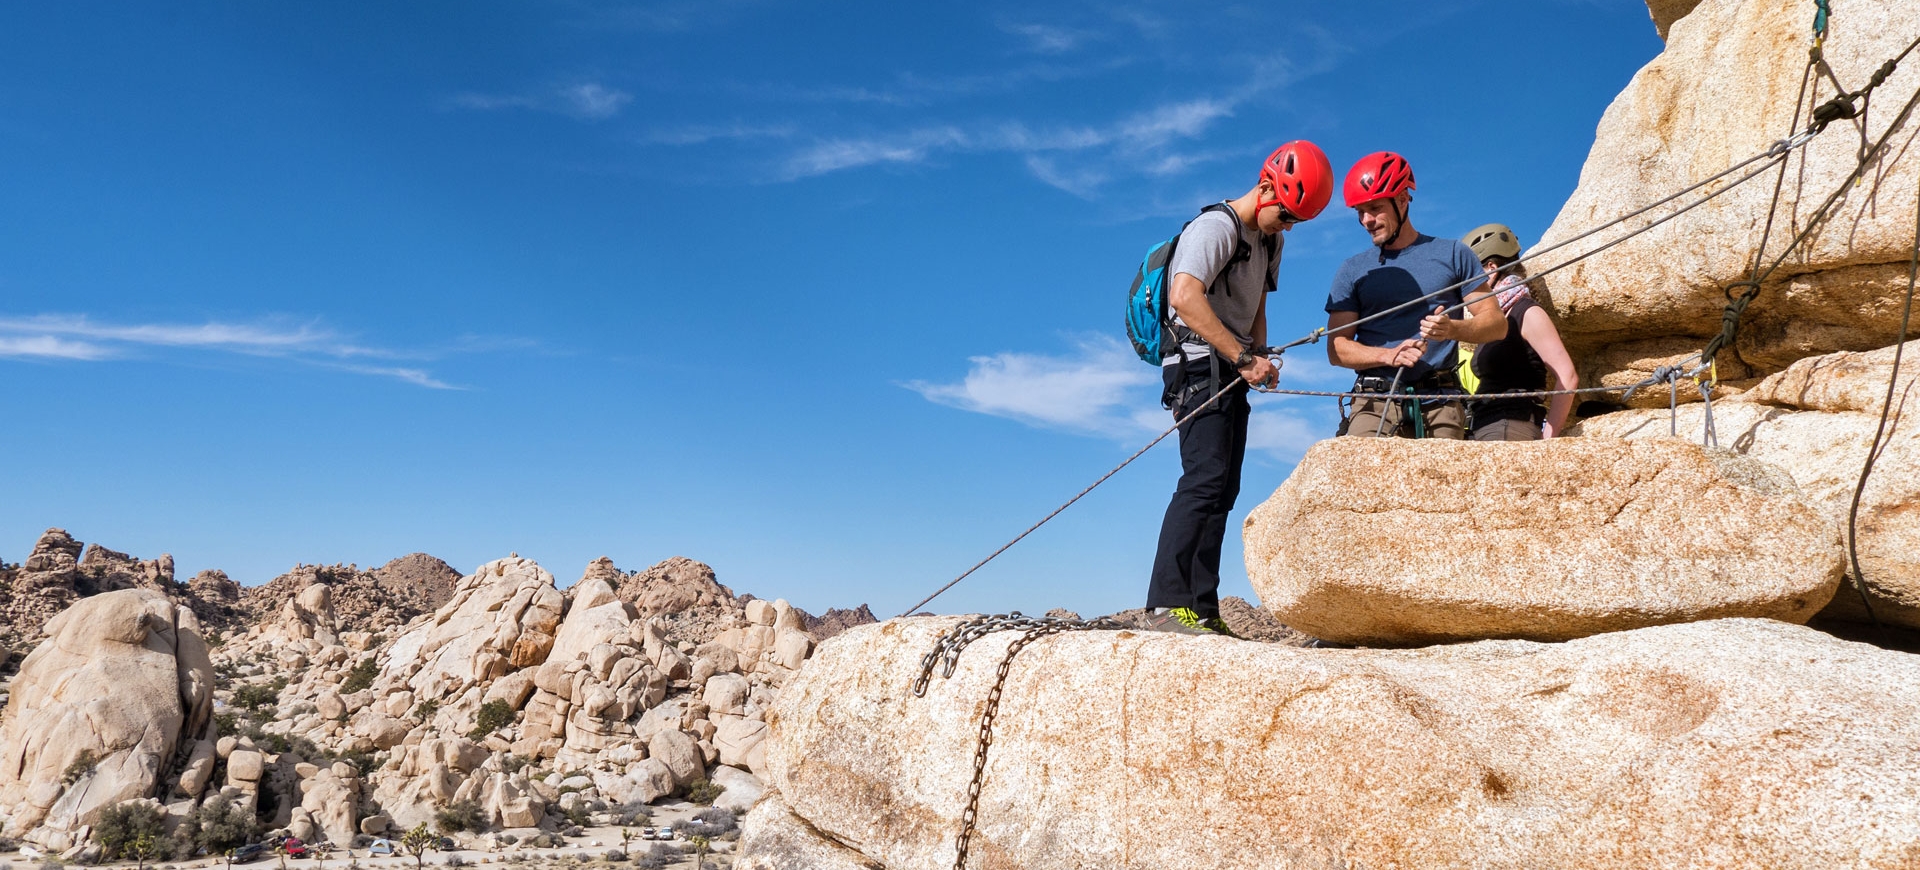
(1245, 358)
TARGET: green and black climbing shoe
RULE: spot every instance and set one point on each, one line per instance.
(1219, 626)
(1178, 620)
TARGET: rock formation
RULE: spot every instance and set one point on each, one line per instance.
(1816, 420)
(1723, 90)
(507, 692)
(56, 574)
(1389, 541)
(101, 710)
(1735, 743)
(369, 601)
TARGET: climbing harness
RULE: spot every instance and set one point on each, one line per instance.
(949, 647)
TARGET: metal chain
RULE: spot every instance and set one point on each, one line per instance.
(950, 646)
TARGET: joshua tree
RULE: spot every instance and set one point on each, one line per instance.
(418, 842)
(626, 836)
(700, 844)
(144, 848)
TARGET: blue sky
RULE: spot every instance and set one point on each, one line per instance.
(825, 296)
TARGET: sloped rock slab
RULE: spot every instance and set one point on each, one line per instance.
(1727, 744)
(1392, 541)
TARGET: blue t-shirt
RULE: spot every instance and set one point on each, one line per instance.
(1366, 286)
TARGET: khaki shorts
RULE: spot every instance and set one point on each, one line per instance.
(1443, 419)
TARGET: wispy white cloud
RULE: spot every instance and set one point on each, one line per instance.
(1047, 38)
(588, 100)
(1093, 390)
(1100, 388)
(593, 100)
(699, 134)
(50, 347)
(1132, 136)
(78, 337)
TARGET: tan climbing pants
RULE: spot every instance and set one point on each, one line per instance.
(1443, 419)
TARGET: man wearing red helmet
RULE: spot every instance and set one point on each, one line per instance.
(1223, 267)
(1403, 339)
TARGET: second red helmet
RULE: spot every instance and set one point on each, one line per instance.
(1302, 179)
(1380, 175)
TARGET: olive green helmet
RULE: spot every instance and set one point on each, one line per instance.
(1493, 240)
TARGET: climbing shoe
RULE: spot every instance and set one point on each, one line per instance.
(1219, 626)
(1178, 620)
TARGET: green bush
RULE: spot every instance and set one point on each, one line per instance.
(259, 696)
(703, 792)
(493, 715)
(459, 816)
(219, 825)
(82, 765)
(425, 709)
(124, 827)
(361, 677)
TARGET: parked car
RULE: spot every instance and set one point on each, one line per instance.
(382, 846)
(445, 844)
(294, 847)
(252, 852)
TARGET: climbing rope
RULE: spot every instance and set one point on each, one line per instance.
(1839, 107)
(1880, 431)
(949, 647)
(1082, 494)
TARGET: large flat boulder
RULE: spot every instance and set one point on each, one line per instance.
(1387, 542)
(1723, 90)
(1730, 744)
(1816, 421)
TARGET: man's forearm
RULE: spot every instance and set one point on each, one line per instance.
(1348, 353)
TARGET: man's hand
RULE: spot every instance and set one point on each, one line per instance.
(1406, 354)
(1438, 326)
(1260, 372)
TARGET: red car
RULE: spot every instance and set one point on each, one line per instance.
(294, 848)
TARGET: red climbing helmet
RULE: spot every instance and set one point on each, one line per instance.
(1380, 175)
(1302, 179)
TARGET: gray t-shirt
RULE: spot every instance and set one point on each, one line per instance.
(1205, 248)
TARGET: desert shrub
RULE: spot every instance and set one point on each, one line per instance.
(255, 697)
(124, 827)
(515, 763)
(362, 760)
(81, 766)
(712, 822)
(657, 858)
(459, 816)
(360, 678)
(614, 856)
(703, 792)
(219, 825)
(425, 709)
(493, 715)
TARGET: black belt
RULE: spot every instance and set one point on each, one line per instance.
(1434, 382)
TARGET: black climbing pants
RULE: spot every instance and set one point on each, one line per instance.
(1186, 568)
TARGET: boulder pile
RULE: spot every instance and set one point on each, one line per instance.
(336, 708)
